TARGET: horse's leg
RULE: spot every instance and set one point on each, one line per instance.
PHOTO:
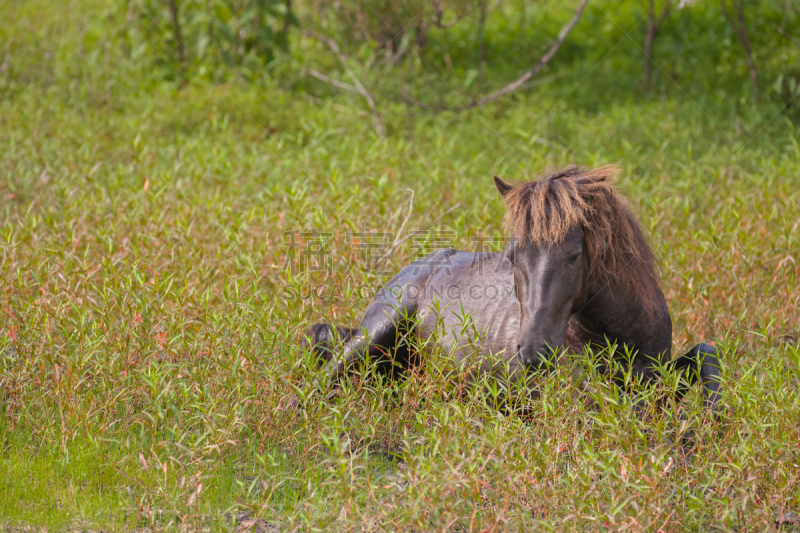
(700, 362)
(321, 338)
(376, 335)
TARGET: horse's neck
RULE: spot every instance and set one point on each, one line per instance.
(616, 313)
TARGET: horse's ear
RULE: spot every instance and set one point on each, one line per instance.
(502, 186)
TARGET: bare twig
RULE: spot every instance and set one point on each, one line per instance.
(390, 224)
(410, 100)
(438, 20)
(398, 241)
(287, 21)
(788, 37)
(440, 217)
(322, 102)
(416, 103)
(336, 83)
(395, 57)
(356, 87)
(746, 44)
(741, 31)
(176, 26)
(482, 30)
(653, 25)
(519, 82)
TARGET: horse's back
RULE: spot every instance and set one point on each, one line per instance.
(468, 305)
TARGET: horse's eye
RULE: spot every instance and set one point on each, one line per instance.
(574, 259)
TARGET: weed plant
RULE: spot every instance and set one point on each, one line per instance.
(151, 308)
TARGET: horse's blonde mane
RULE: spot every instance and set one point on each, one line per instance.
(545, 211)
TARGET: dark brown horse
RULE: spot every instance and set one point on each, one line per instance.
(578, 273)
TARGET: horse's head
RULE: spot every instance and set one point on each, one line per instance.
(572, 236)
(549, 281)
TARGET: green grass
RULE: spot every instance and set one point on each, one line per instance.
(146, 341)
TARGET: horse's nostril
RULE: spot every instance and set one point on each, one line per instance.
(519, 347)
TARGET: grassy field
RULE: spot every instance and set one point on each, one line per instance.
(148, 337)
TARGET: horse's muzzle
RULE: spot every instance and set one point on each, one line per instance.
(536, 359)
